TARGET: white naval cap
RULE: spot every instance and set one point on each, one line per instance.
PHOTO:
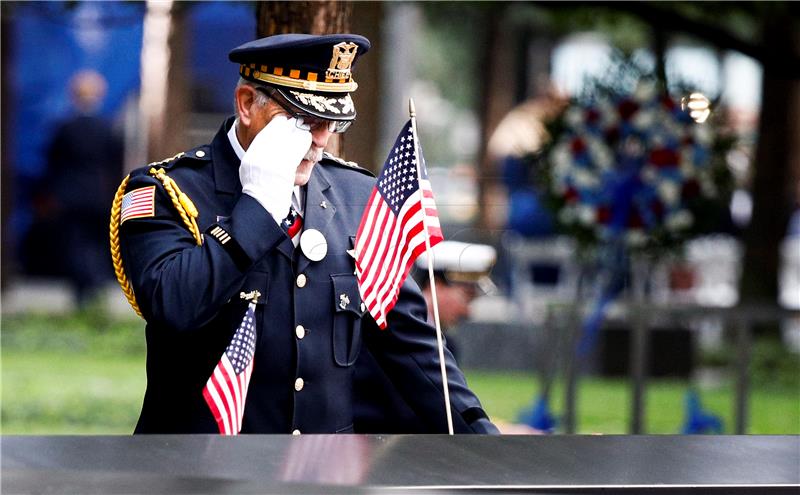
(462, 262)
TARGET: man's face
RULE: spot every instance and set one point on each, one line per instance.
(454, 300)
(261, 115)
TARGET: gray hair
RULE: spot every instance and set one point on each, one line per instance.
(261, 98)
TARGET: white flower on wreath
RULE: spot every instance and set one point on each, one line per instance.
(586, 215)
(669, 192)
(649, 174)
(574, 117)
(600, 154)
(635, 238)
(567, 215)
(585, 179)
(703, 135)
(643, 119)
(609, 118)
(645, 91)
(687, 167)
(657, 140)
(562, 158)
(679, 220)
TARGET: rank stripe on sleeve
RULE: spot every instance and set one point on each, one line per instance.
(139, 203)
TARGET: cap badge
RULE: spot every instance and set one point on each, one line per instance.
(343, 56)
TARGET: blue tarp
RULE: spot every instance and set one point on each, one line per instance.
(52, 41)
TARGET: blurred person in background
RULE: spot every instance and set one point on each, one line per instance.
(461, 273)
(84, 160)
(516, 148)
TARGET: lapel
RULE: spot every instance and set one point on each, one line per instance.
(226, 176)
(225, 161)
(316, 217)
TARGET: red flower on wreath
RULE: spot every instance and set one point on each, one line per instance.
(664, 157)
(570, 195)
(592, 116)
(627, 108)
(635, 220)
(603, 214)
(578, 146)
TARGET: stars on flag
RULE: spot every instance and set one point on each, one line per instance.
(400, 214)
(399, 179)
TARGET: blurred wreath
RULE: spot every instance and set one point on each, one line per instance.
(629, 163)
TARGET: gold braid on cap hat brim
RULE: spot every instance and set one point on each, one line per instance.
(186, 209)
(275, 76)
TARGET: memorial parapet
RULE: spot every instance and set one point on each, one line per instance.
(393, 464)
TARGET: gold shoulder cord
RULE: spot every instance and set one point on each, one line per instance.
(182, 203)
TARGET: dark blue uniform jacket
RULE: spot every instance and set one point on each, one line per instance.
(189, 295)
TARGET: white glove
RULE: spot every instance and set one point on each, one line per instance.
(268, 167)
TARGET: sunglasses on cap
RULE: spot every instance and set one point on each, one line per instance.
(305, 121)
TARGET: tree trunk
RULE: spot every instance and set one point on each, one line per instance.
(363, 137)
(777, 164)
(178, 105)
(322, 17)
(317, 17)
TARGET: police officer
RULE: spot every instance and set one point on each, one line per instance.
(263, 218)
(461, 271)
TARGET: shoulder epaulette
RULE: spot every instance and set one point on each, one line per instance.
(201, 153)
(327, 158)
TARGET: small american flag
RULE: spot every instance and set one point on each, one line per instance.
(393, 227)
(226, 389)
(292, 225)
(138, 203)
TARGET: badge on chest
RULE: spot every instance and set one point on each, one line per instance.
(313, 244)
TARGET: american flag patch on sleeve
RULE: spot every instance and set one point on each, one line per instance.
(139, 203)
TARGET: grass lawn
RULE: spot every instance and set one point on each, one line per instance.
(603, 405)
(88, 377)
(78, 374)
(47, 393)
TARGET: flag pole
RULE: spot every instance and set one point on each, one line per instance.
(429, 254)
